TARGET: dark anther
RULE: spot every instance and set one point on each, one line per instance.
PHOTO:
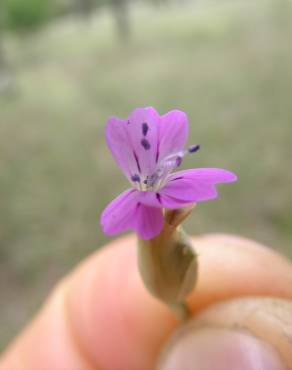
(193, 148)
(135, 178)
(145, 143)
(145, 182)
(178, 161)
(158, 197)
(145, 128)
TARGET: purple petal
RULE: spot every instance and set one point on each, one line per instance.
(119, 143)
(173, 132)
(143, 131)
(212, 175)
(185, 187)
(160, 200)
(120, 214)
(149, 221)
(172, 202)
(150, 198)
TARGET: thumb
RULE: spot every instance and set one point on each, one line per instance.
(241, 334)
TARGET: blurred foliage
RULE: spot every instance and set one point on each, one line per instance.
(227, 65)
(26, 15)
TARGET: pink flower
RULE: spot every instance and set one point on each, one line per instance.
(148, 147)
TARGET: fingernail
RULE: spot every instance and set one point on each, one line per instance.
(219, 349)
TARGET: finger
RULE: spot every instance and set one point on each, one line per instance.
(232, 266)
(101, 316)
(242, 334)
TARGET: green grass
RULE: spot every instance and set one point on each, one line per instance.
(227, 66)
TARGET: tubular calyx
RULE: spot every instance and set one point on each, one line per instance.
(168, 263)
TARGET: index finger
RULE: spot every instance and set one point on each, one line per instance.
(101, 317)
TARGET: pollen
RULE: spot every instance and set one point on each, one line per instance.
(135, 178)
(178, 161)
(193, 148)
(145, 143)
(145, 128)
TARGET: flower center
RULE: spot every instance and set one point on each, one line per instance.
(158, 179)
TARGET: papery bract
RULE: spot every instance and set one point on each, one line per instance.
(148, 147)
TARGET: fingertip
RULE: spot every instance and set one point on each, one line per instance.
(232, 266)
(112, 312)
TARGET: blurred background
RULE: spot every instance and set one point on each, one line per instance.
(66, 65)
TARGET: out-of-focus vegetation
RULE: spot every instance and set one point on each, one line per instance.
(25, 15)
(228, 65)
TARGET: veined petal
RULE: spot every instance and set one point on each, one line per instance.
(139, 143)
(160, 200)
(213, 175)
(120, 214)
(119, 143)
(149, 221)
(172, 133)
(195, 185)
(171, 202)
(150, 198)
(142, 129)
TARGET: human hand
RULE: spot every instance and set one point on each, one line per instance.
(101, 316)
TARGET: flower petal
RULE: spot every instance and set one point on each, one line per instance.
(149, 221)
(150, 198)
(160, 200)
(173, 133)
(197, 185)
(120, 214)
(143, 132)
(119, 143)
(172, 202)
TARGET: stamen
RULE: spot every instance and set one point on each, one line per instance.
(145, 128)
(145, 143)
(156, 180)
(193, 148)
(178, 161)
(135, 178)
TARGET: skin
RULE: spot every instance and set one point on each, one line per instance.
(101, 317)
